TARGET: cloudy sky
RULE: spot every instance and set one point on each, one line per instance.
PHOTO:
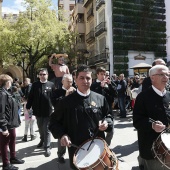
(14, 6)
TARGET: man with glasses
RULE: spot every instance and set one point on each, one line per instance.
(150, 105)
(59, 69)
(40, 101)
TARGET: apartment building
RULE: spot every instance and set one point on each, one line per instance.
(94, 43)
(67, 6)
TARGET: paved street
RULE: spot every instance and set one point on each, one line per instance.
(124, 144)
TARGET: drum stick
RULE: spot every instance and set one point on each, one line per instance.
(76, 146)
(152, 121)
(95, 135)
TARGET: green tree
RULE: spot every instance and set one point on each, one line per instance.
(38, 31)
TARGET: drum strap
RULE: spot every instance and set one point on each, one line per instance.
(93, 127)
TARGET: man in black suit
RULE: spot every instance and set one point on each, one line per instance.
(152, 103)
(40, 100)
(103, 86)
(58, 95)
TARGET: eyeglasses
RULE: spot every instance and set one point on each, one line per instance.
(162, 75)
(42, 74)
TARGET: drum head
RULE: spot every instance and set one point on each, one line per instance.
(86, 158)
(165, 137)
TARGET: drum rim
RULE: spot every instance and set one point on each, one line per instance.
(153, 149)
(95, 163)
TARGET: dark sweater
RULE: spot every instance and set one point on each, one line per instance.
(71, 118)
(149, 105)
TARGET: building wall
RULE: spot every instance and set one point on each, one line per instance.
(67, 5)
(138, 26)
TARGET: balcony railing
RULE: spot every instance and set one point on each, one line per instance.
(90, 13)
(80, 46)
(100, 58)
(99, 29)
(90, 37)
(99, 3)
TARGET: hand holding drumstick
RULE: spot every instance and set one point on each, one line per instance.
(158, 126)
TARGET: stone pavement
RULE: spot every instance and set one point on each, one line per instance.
(124, 144)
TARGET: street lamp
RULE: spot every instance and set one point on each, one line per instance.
(23, 52)
(86, 55)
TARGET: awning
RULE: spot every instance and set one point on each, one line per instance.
(141, 65)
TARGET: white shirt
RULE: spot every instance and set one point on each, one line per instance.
(158, 91)
(82, 94)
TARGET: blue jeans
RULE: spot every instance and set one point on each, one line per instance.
(121, 101)
(45, 135)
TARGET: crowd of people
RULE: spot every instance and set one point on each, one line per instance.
(74, 104)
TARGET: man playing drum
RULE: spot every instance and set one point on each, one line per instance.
(150, 116)
(81, 115)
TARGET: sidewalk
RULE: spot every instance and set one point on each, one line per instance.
(124, 144)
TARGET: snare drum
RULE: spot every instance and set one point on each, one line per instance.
(161, 148)
(98, 157)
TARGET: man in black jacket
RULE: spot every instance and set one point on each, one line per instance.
(121, 89)
(80, 115)
(103, 86)
(58, 95)
(40, 101)
(152, 103)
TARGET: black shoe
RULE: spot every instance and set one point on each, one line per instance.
(61, 160)
(16, 161)
(40, 144)
(47, 152)
(24, 139)
(141, 167)
(33, 137)
(10, 167)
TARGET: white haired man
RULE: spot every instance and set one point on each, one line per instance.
(152, 104)
(58, 95)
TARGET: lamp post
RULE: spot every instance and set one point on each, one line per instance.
(86, 54)
(23, 52)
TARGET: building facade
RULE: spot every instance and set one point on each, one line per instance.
(139, 29)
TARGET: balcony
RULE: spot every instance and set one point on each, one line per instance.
(80, 27)
(80, 46)
(79, 9)
(99, 3)
(99, 29)
(90, 37)
(100, 58)
(90, 13)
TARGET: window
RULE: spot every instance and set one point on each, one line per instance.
(71, 7)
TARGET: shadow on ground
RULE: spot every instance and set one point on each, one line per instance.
(52, 165)
(125, 150)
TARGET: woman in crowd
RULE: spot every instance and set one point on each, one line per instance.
(9, 120)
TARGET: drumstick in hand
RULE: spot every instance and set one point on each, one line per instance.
(95, 135)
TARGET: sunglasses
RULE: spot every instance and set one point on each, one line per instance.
(42, 74)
